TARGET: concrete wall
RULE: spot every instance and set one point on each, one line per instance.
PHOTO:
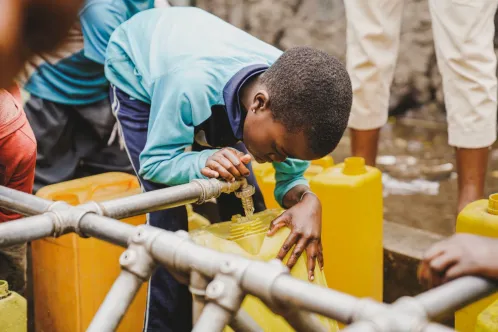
(322, 24)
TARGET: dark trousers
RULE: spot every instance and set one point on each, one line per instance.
(72, 141)
(169, 303)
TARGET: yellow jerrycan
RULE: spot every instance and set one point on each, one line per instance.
(351, 197)
(480, 218)
(487, 321)
(265, 175)
(247, 237)
(13, 310)
(72, 275)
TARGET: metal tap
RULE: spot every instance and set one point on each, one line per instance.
(245, 193)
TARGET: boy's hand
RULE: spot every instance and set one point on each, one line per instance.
(305, 221)
(459, 255)
(228, 163)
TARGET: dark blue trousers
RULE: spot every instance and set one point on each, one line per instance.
(169, 303)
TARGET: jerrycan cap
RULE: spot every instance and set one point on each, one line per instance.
(493, 204)
(4, 289)
(354, 166)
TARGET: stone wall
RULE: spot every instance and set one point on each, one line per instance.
(322, 24)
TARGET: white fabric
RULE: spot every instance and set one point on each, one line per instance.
(463, 34)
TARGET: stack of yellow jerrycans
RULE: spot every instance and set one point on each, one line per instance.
(13, 310)
(480, 218)
(72, 275)
(351, 197)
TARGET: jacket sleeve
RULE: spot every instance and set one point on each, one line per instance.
(289, 174)
(178, 104)
(98, 21)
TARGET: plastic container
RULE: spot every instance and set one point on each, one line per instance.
(195, 220)
(351, 197)
(265, 175)
(72, 275)
(480, 218)
(13, 310)
(487, 321)
(247, 237)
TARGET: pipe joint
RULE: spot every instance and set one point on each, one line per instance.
(225, 292)
(366, 309)
(144, 236)
(92, 206)
(262, 286)
(411, 306)
(209, 189)
(137, 260)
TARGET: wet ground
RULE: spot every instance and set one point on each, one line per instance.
(420, 180)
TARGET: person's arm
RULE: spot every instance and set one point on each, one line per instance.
(459, 255)
(98, 21)
(178, 103)
(304, 215)
(289, 174)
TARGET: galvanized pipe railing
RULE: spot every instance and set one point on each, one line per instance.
(209, 270)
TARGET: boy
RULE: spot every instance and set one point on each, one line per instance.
(17, 171)
(461, 254)
(181, 74)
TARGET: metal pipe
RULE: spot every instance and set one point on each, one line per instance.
(362, 326)
(166, 198)
(323, 301)
(106, 229)
(180, 254)
(214, 318)
(26, 229)
(198, 284)
(242, 322)
(433, 327)
(22, 203)
(303, 321)
(116, 303)
(454, 295)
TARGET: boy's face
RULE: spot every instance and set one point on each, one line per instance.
(269, 141)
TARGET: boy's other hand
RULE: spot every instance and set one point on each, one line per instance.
(227, 163)
(459, 255)
(305, 221)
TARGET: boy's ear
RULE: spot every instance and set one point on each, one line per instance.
(261, 101)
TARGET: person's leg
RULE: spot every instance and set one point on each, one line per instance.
(169, 303)
(463, 35)
(373, 29)
(107, 154)
(53, 128)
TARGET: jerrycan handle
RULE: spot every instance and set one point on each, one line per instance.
(354, 166)
(121, 185)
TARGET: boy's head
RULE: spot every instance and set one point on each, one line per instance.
(299, 108)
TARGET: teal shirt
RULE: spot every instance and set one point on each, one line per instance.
(180, 61)
(73, 74)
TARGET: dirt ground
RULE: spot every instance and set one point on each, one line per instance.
(416, 134)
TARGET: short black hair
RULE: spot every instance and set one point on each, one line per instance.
(310, 90)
